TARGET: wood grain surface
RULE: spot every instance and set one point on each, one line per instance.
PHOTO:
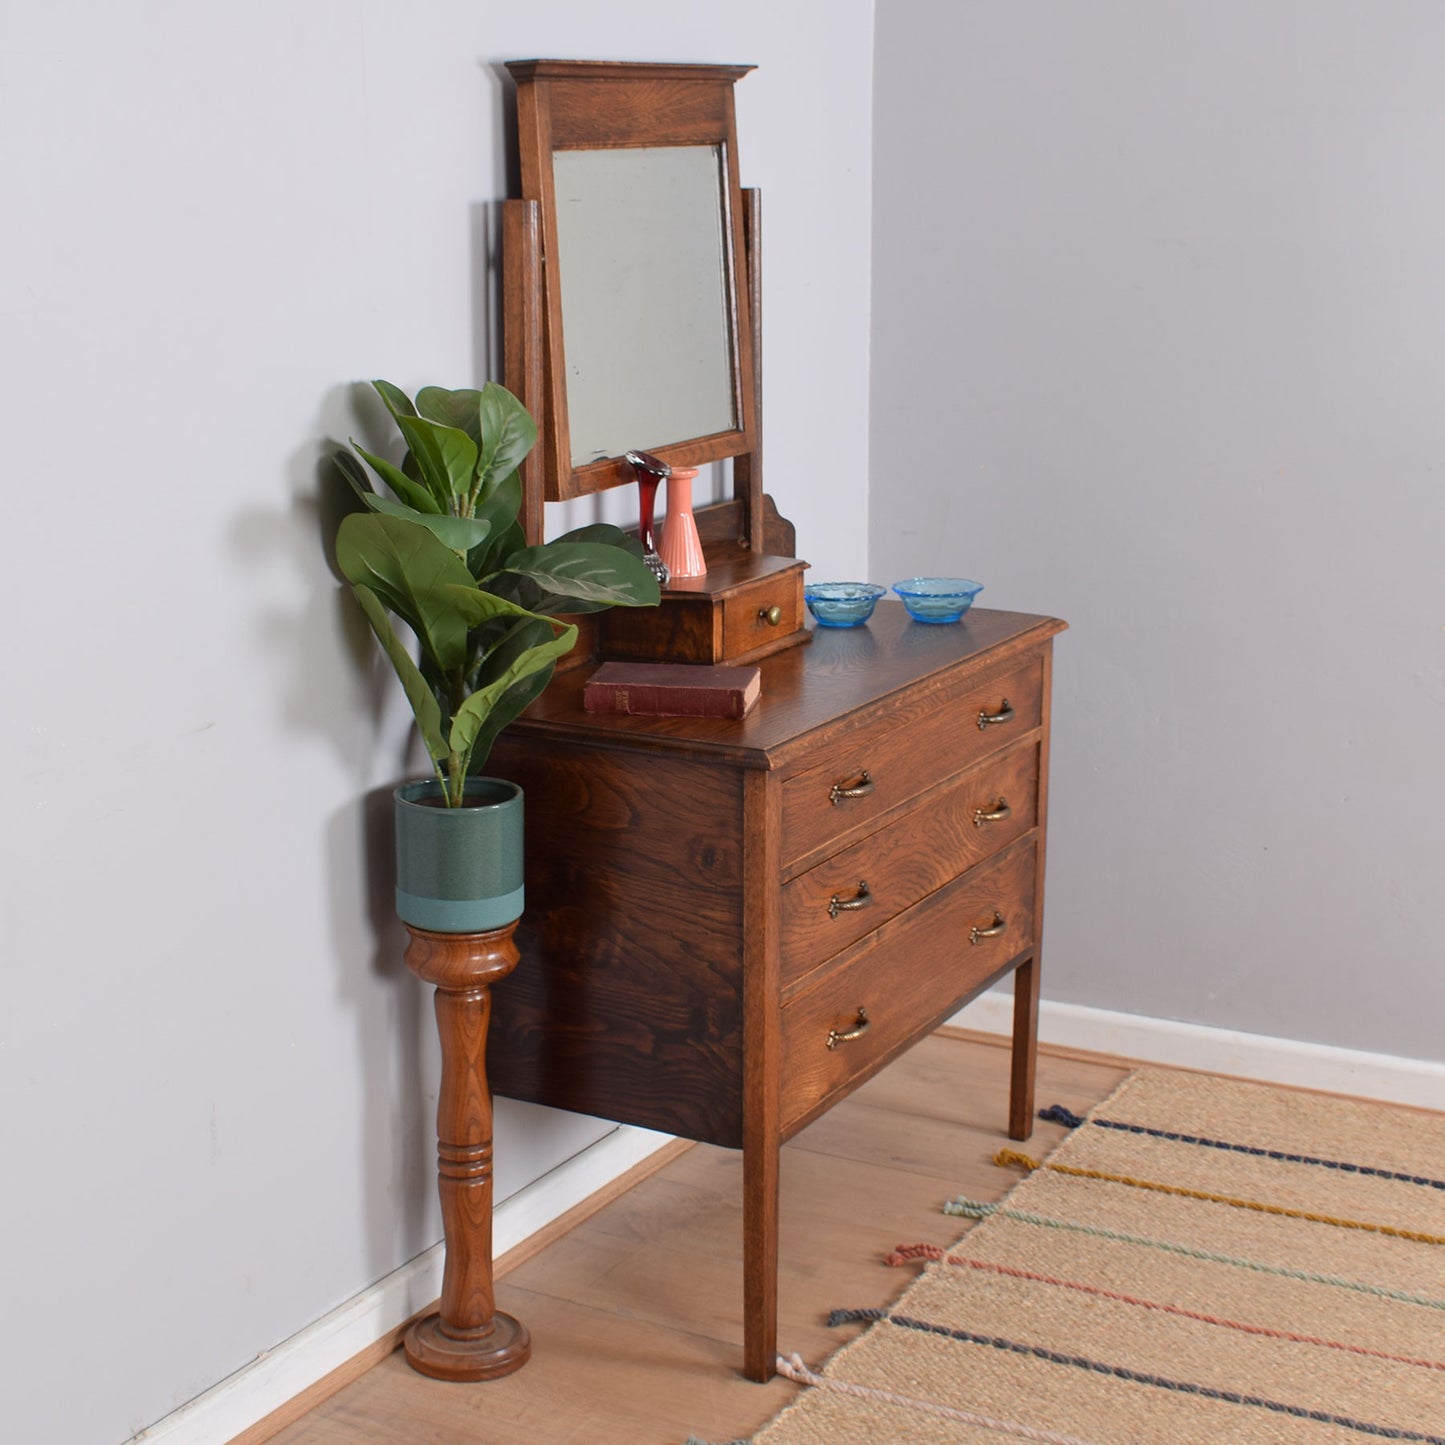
(907, 976)
(844, 676)
(636, 1314)
(628, 1002)
(906, 860)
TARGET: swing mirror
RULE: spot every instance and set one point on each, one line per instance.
(646, 339)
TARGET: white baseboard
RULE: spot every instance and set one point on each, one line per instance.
(282, 1373)
(1418, 1082)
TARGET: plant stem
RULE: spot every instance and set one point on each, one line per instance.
(457, 761)
(441, 777)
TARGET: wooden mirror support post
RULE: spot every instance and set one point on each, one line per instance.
(468, 1338)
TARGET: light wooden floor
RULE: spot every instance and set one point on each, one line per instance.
(636, 1314)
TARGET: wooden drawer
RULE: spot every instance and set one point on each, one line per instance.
(906, 860)
(904, 978)
(748, 626)
(884, 763)
(724, 617)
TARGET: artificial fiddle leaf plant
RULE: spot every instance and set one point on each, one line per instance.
(448, 556)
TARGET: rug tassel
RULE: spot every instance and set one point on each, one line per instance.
(849, 1317)
(1057, 1114)
(907, 1253)
(1005, 1157)
(793, 1368)
(969, 1208)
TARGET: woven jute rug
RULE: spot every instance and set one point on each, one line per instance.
(1200, 1262)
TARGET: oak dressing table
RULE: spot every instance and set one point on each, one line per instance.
(731, 924)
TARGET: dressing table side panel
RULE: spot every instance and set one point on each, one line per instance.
(628, 1003)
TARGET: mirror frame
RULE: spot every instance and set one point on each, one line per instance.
(600, 105)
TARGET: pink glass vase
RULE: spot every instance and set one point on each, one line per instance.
(681, 548)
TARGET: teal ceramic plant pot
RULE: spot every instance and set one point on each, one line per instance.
(459, 870)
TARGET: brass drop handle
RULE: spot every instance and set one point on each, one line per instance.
(992, 930)
(860, 1027)
(996, 812)
(1003, 715)
(861, 899)
(771, 615)
(860, 789)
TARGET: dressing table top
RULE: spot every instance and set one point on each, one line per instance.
(840, 672)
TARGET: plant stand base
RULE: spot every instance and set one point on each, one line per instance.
(431, 1351)
(468, 1338)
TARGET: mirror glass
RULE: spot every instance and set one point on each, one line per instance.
(642, 264)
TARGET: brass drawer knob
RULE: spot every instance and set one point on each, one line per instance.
(861, 899)
(860, 789)
(860, 1027)
(771, 615)
(995, 812)
(977, 934)
(992, 719)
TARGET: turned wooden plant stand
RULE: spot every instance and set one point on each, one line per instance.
(468, 1338)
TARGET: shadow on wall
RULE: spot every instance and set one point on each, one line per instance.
(397, 1144)
(336, 686)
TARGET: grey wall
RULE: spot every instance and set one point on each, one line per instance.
(218, 1080)
(1159, 345)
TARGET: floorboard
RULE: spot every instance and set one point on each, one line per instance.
(636, 1314)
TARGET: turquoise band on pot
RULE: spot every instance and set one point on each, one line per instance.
(459, 915)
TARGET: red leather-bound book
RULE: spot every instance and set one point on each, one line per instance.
(672, 689)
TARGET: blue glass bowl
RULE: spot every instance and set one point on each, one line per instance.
(842, 604)
(937, 599)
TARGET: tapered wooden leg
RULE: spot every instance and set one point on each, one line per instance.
(1025, 1049)
(468, 1338)
(760, 1260)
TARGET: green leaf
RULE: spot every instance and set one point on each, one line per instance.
(498, 644)
(474, 712)
(526, 594)
(604, 532)
(423, 704)
(459, 409)
(507, 708)
(479, 606)
(507, 430)
(491, 557)
(461, 534)
(446, 457)
(518, 638)
(501, 503)
(587, 572)
(397, 401)
(412, 493)
(354, 473)
(413, 573)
